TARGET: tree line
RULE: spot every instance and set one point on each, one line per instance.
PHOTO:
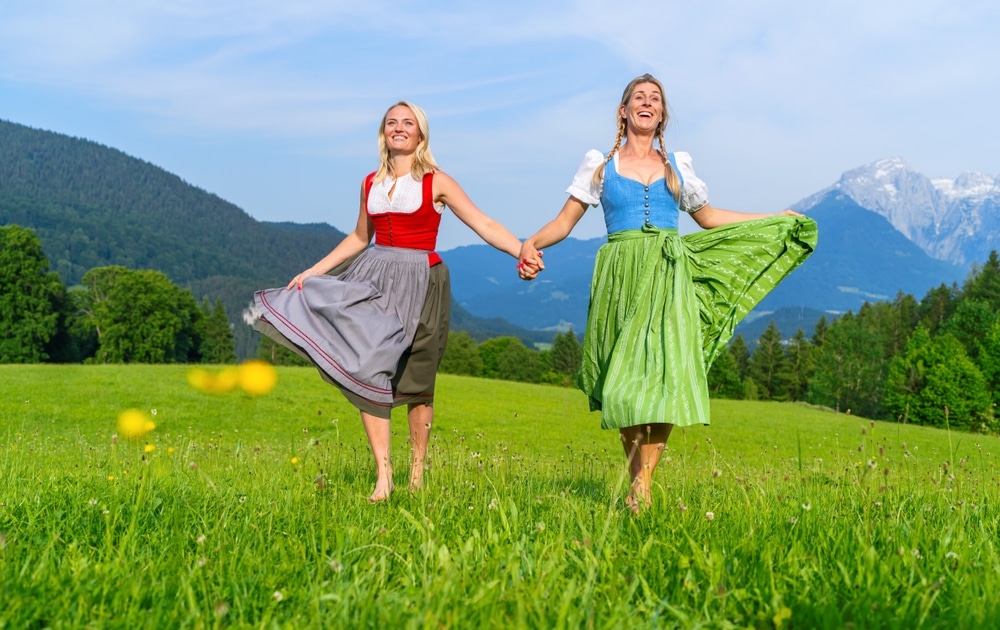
(935, 361)
(115, 315)
(506, 358)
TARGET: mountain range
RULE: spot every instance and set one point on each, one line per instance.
(954, 220)
(884, 228)
(860, 258)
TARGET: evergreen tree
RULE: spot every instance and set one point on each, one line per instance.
(796, 369)
(741, 356)
(766, 363)
(567, 353)
(218, 345)
(907, 376)
(970, 324)
(901, 322)
(851, 365)
(29, 297)
(849, 368)
(988, 362)
(935, 383)
(819, 332)
(936, 307)
(461, 356)
(724, 379)
(984, 283)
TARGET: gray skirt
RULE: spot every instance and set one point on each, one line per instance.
(365, 328)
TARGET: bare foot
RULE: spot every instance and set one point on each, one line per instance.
(381, 493)
(418, 465)
(416, 478)
(639, 497)
(632, 503)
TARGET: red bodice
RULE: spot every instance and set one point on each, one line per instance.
(411, 230)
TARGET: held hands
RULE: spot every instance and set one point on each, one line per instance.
(529, 262)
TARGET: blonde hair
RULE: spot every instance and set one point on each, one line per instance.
(669, 175)
(423, 161)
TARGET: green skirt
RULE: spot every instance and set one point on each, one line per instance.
(663, 306)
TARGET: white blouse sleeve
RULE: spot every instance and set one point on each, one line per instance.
(694, 192)
(583, 186)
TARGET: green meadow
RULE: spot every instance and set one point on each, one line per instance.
(240, 511)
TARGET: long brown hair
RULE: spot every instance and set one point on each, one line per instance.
(669, 176)
(423, 161)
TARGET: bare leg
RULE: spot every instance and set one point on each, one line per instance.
(380, 439)
(421, 417)
(644, 445)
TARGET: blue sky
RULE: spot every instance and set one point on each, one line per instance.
(274, 106)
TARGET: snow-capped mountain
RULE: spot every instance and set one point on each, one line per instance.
(955, 220)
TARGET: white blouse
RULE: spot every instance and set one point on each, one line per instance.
(694, 192)
(406, 199)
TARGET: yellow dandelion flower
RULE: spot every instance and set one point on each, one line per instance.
(295, 460)
(111, 477)
(134, 424)
(212, 382)
(199, 378)
(227, 379)
(170, 450)
(149, 448)
(257, 377)
(782, 615)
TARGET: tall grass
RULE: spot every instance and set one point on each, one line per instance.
(252, 512)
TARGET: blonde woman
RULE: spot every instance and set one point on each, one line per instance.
(377, 330)
(662, 306)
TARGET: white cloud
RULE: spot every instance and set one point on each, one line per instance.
(773, 98)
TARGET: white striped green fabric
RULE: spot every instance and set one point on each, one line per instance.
(663, 306)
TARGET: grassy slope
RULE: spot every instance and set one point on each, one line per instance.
(818, 519)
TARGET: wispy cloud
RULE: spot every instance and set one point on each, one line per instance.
(774, 98)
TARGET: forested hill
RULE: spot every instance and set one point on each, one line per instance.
(92, 205)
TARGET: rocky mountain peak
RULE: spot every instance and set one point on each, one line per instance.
(956, 220)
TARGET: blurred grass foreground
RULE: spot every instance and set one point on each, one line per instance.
(247, 508)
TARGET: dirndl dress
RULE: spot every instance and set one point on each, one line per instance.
(662, 306)
(378, 329)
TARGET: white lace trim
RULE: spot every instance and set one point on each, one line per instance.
(406, 199)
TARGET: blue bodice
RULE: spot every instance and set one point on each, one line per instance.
(629, 204)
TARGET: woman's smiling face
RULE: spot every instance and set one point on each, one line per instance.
(402, 133)
(644, 109)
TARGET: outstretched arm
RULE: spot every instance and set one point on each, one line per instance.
(448, 192)
(551, 233)
(353, 244)
(710, 217)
